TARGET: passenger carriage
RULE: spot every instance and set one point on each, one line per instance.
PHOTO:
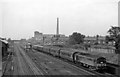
(67, 54)
(46, 49)
(35, 47)
(55, 51)
(39, 47)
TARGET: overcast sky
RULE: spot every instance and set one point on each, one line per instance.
(20, 18)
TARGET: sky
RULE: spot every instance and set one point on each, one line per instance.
(20, 18)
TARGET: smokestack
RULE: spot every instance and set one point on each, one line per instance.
(57, 26)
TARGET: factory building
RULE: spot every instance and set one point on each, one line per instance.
(48, 38)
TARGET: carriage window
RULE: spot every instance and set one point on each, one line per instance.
(66, 54)
(78, 57)
(89, 59)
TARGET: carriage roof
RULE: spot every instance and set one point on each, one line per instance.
(38, 45)
(68, 51)
(90, 55)
(55, 48)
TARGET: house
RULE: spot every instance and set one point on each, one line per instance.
(94, 40)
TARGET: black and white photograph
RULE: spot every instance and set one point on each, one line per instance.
(60, 38)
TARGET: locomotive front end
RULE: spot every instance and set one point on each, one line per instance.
(101, 63)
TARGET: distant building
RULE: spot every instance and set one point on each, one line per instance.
(16, 41)
(48, 35)
(51, 38)
(23, 41)
(37, 34)
(47, 38)
(93, 40)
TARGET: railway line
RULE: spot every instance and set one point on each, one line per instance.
(6, 70)
(26, 66)
(33, 67)
(53, 66)
(37, 63)
(24, 70)
(45, 64)
(18, 64)
(76, 66)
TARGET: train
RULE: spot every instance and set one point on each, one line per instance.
(28, 46)
(93, 62)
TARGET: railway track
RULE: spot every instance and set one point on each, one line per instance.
(76, 65)
(31, 68)
(36, 58)
(39, 65)
(5, 70)
(8, 65)
(49, 62)
(24, 64)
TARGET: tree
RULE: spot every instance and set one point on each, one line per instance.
(114, 35)
(97, 36)
(107, 39)
(9, 39)
(76, 38)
